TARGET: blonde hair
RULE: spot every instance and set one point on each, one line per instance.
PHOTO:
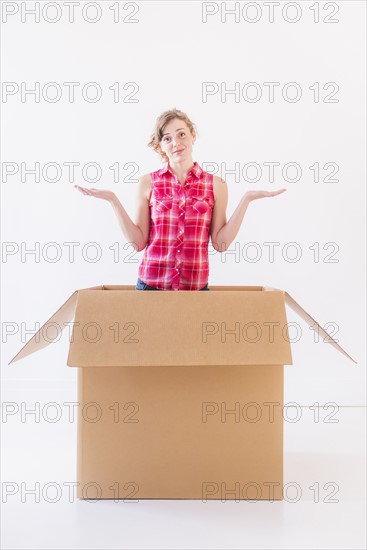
(161, 122)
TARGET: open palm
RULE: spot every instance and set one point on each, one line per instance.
(253, 195)
(104, 194)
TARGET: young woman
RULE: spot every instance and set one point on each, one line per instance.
(179, 207)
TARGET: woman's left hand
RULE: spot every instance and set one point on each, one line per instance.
(253, 195)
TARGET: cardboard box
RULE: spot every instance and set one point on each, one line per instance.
(181, 393)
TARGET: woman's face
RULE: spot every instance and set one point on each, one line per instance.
(177, 141)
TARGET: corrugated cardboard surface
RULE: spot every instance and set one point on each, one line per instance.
(124, 328)
(170, 452)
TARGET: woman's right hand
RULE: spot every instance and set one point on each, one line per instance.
(104, 194)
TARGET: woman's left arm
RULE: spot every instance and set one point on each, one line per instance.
(223, 232)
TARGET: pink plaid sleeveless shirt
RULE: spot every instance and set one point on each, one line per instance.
(176, 254)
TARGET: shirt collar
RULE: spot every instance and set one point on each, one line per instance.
(195, 170)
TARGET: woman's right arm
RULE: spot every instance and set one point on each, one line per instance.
(135, 233)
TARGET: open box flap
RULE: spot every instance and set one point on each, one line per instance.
(291, 302)
(64, 314)
(117, 327)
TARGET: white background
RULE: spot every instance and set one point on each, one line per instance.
(170, 52)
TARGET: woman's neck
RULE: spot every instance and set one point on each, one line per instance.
(180, 169)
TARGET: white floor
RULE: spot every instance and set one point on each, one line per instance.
(329, 457)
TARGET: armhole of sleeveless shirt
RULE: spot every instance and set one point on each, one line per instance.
(151, 186)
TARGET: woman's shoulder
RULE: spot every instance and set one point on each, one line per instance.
(146, 178)
(145, 185)
(220, 186)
